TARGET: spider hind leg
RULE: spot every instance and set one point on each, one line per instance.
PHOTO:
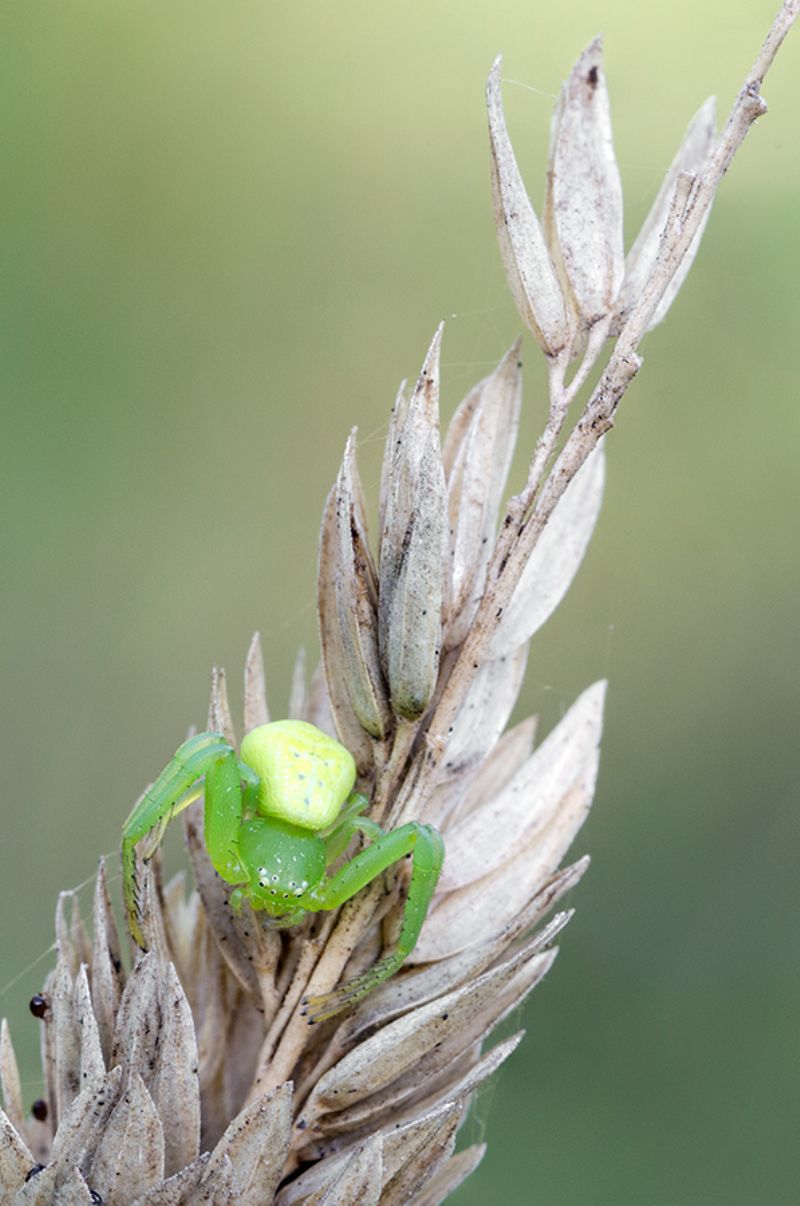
(426, 847)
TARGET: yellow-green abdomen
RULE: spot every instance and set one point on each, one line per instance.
(306, 776)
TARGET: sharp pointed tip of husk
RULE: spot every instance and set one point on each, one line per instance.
(220, 719)
(434, 348)
(593, 49)
(10, 1083)
(350, 627)
(359, 1180)
(256, 711)
(427, 384)
(477, 456)
(256, 1143)
(332, 686)
(418, 1170)
(413, 560)
(529, 268)
(452, 1174)
(579, 869)
(583, 209)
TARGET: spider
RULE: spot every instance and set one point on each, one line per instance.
(276, 817)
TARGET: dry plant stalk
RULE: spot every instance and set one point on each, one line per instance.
(196, 1076)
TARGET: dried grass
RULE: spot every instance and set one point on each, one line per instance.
(197, 1076)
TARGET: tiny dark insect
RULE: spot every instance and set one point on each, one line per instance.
(39, 1110)
(39, 1005)
(592, 77)
(34, 1172)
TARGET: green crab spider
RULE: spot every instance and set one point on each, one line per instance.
(277, 815)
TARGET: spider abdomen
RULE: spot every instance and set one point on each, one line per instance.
(305, 775)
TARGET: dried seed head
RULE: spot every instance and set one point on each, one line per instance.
(583, 208)
(348, 727)
(477, 457)
(493, 834)
(691, 158)
(531, 274)
(256, 711)
(412, 561)
(219, 708)
(356, 594)
(485, 711)
(555, 559)
(172, 1082)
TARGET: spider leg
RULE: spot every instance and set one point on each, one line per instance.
(223, 817)
(424, 844)
(338, 837)
(170, 793)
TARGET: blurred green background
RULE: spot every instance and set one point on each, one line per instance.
(228, 231)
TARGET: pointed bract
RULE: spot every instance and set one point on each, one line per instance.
(461, 918)
(359, 1181)
(174, 1086)
(583, 207)
(692, 155)
(356, 593)
(412, 553)
(15, 1159)
(219, 708)
(349, 729)
(256, 711)
(419, 1169)
(131, 1146)
(491, 835)
(556, 557)
(479, 455)
(485, 711)
(448, 1178)
(256, 1144)
(531, 274)
(92, 1064)
(107, 978)
(9, 1081)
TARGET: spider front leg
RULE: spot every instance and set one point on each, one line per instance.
(337, 837)
(425, 845)
(209, 756)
